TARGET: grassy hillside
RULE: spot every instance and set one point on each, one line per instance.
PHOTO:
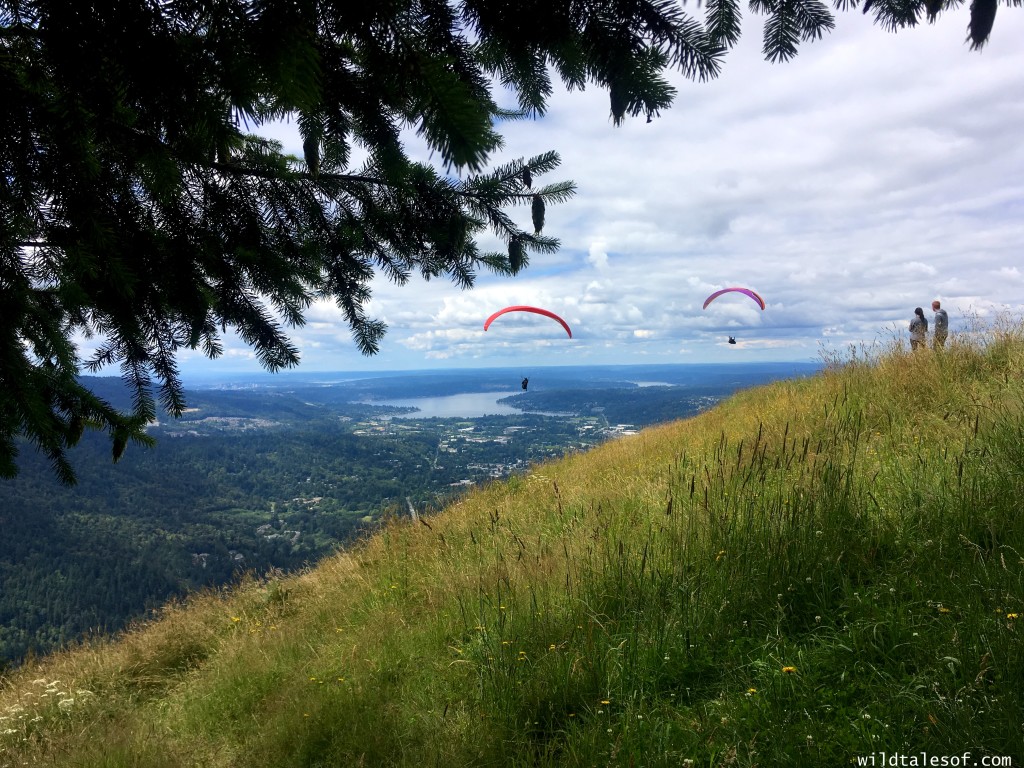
(811, 572)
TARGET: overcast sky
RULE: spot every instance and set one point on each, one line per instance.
(870, 175)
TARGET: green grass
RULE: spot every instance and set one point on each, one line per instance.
(813, 571)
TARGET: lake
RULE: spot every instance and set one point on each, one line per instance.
(465, 406)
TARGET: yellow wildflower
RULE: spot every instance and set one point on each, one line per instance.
(789, 670)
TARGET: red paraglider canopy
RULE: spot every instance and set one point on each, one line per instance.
(523, 308)
(746, 291)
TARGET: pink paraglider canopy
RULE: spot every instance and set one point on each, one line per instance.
(746, 291)
(524, 308)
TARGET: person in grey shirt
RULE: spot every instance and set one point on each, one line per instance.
(918, 329)
(941, 325)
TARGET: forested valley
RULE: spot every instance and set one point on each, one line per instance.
(250, 480)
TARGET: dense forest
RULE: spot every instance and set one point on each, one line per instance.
(224, 495)
(192, 512)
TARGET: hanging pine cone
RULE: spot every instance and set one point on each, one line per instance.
(311, 151)
(618, 99)
(983, 14)
(538, 214)
(75, 429)
(527, 178)
(516, 252)
(120, 443)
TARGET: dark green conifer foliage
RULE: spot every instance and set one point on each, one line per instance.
(896, 14)
(140, 207)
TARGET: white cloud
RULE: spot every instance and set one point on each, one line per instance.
(598, 257)
(1009, 273)
(240, 354)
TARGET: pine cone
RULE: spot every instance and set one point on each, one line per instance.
(983, 14)
(538, 214)
(311, 151)
(516, 251)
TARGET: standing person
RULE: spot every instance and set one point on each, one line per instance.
(941, 325)
(918, 329)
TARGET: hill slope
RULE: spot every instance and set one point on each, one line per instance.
(814, 571)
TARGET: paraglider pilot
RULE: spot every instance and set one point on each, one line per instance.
(526, 383)
(732, 339)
